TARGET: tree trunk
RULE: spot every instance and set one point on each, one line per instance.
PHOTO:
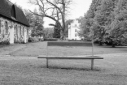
(100, 43)
(63, 20)
(62, 34)
(113, 45)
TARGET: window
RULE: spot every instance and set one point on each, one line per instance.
(23, 31)
(76, 30)
(76, 35)
(13, 14)
(20, 31)
(0, 26)
(6, 27)
(16, 30)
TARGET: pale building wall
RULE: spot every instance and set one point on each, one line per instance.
(73, 31)
(11, 31)
(16, 32)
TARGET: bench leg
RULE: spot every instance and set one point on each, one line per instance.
(47, 63)
(92, 64)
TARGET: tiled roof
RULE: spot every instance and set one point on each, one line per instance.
(20, 17)
(5, 10)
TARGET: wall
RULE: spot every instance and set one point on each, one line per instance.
(12, 32)
(73, 31)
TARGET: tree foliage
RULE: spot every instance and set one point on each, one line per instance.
(48, 33)
(84, 27)
(56, 33)
(108, 21)
(36, 23)
(57, 29)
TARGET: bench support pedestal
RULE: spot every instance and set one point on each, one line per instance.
(47, 63)
(92, 64)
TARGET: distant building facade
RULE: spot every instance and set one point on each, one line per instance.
(14, 26)
(73, 31)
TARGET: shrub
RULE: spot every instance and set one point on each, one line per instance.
(6, 42)
(33, 39)
(50, 39)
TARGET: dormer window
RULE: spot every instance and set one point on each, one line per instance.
(13, 14)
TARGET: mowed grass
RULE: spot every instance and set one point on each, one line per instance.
(35, 49)
(112, 70)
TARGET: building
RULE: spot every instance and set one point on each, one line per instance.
(73, 31)
(13, 23)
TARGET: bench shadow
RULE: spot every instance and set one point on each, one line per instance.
(72, 68)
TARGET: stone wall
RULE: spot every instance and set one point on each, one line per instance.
(12, 32)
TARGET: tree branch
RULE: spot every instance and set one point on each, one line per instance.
(57, 21)
(54, 6)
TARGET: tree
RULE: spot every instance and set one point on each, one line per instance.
(87, 22)
(108, 20)
(48, 33)
(37, 30)
(84, 30)
(36, 23)
(118, 30)
(55, 10)
(57, 30)
(103, 19)
(30, 17)
(56, 33)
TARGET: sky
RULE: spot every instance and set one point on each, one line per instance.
(77, 9)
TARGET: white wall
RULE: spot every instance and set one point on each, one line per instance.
(73, 31)
(11, 37)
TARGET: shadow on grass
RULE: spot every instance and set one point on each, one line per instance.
(4, 45)
(72, 68)
(113, 47)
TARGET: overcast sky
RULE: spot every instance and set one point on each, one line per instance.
(78, 7)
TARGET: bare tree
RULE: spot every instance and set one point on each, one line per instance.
(55, 10)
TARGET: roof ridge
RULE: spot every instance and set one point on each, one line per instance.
(5, 10)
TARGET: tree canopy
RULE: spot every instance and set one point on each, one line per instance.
(108, 21)
(36, 22)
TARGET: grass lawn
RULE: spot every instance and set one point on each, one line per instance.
(112, 70)
(35, 49)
